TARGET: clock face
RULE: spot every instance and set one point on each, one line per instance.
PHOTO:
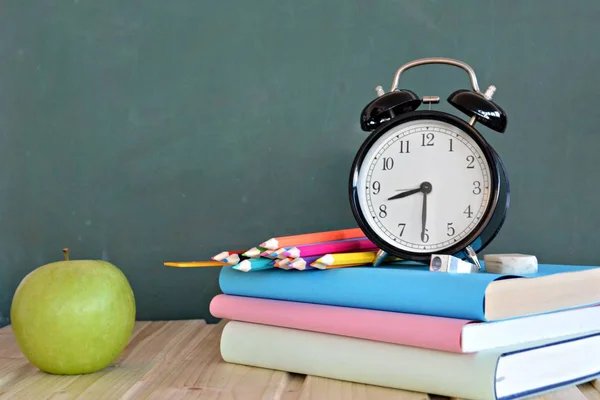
(424, 186)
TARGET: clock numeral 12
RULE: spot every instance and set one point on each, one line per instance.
(430, 136)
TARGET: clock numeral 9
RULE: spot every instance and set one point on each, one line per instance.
(388, 163)
(449, 229)
(382, 211)
(430, 136)
(376, 187)
(471, 160)
(425, 236)
(477, 187)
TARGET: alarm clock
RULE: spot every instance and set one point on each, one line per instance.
(426, 182)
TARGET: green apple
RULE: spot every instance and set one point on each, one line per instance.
(74, 316)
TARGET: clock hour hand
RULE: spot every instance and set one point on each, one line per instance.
(424, 188)
(405, 194)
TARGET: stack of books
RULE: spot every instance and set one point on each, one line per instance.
(471, 336)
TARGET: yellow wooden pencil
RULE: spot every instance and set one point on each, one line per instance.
(347, 258)
(361, 257)
(195, 264)
(323, 266)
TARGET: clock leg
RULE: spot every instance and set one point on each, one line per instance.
(473, 256)
(379, 258)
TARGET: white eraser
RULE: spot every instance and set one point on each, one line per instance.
(451, 264)
(510, 263)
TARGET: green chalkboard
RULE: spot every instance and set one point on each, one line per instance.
(141, 132)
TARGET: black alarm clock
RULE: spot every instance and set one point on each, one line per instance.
(426, 182)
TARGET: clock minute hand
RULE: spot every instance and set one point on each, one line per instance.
(424, 216)
(405, 194)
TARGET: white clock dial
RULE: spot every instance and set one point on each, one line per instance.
(431, 155)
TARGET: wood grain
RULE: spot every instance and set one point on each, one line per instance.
(180, 360)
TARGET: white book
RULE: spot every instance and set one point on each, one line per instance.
(478, 336)
(504, 373)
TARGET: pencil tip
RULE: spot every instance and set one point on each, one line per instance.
(270, 244)
(243, 266)
(220, 256)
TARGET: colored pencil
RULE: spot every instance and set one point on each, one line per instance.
(225, 254)
(351, 258)
(253, 252)
(254, 264)
(234, 259)
(311, 238)
(267, 254)
(278, 253)
(195, 264)
(220, 256)
(318, 265)
(338, 246)
(303, 263)
(283, 263)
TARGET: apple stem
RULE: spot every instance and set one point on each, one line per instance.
(66, 253)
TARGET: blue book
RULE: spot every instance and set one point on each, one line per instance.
(414, 289)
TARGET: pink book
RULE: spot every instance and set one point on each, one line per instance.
(438, 333)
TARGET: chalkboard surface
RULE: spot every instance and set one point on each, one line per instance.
(141, 132)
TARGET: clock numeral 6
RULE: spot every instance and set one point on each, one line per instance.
(449, 229)
(382, 211)
(388, 163)
(376, 187)
(425, 236)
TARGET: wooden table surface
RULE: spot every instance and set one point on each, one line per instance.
(181, 360)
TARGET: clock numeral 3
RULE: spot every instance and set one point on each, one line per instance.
(425, 236)
(471, 160)
(449, 229)
(376, 187)
(382, 211)
(388, 163)
(404, 146)
(468, 212)
(430, 136)
(402, 226)
(477, 187)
